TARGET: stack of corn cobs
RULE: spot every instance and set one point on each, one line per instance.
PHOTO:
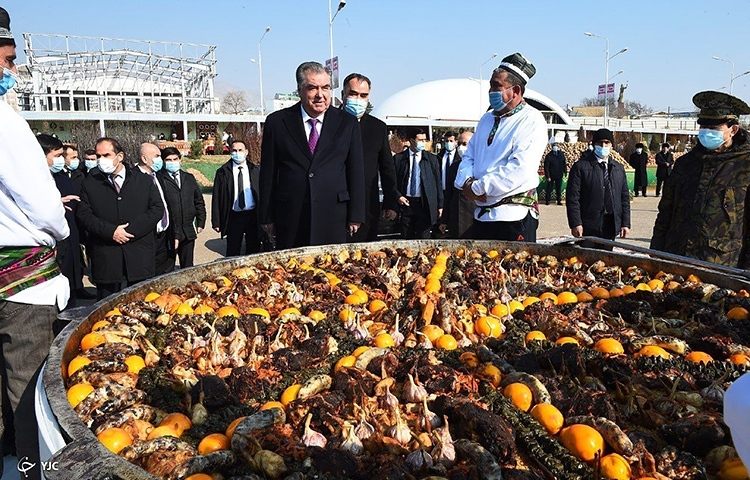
(397, 363)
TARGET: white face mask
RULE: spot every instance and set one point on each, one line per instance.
(638, 151)
(106, 165)
(57, 164)
(462, 149)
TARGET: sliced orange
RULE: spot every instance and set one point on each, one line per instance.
(114, 311)
(99, 325)
(656, 285)
(493, 374)
(115, 439)
(643, 286)
(500, 310)
(289, 311)
(699, 357)
(520, 395)
(652, 351)
(360, 350)
(738, 313)
(135, 363)
(488, 326)
(433, 332)
(740, 359)
(549, 416)
(628, 289)
(347, 361)
(257, 311)
(616, 292)
(213, 443)
(470, 359)
(384, 340)
(232, 426)
(609, 345)
(183, 309)
(531, 300)
(347, 315)
(564, 340)
(447, 342)
(289, 395)
(177, 421)
(535, 335)
(151, 296)
(600, 292)
(376, 306)
(316, 315)
(549, 296)
(163, 431)
(203, 309)
(91, 340)
(272, 404)
(78, 392)
(77, 363)
(584, 297)
(229, 311)
(566, 297)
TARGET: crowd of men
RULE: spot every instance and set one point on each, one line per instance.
(318, 181)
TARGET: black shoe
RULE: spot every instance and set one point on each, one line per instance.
(546, 203)
(84, 294)
(657, 194)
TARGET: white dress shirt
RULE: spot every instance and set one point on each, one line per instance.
(31, 213)
(509, 165)
(159, 227)
(247, 188)
(306, 117)
(447, 160)
(414, 159)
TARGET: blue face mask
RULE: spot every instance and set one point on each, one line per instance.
(90, 164)
(74, 164)
(601, 152)
(172, 166)
(7, 82)
(496, 101)
(710, 138)
(420, 146)
(158, 163)
(554, 149)
(57, 164)
(238, 157)
(355, 106)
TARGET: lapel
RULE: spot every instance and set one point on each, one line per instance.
(331, 123)
(293, 122)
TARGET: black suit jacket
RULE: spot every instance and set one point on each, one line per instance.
(458, 211)
(328, 188)
(585, 194)
(102, 209)
(223, 193)
(429, 174)
(378, 162)
(187, 210)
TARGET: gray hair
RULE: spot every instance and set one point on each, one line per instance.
(306, 67)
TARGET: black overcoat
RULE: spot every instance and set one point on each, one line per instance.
(585, 194)
(639, 162)
(458, 211)
(102, 209)
(664, 163)
(429, 173)
(327, 187)
(187, 209)
(223, 194)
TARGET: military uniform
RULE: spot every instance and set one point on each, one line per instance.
(706, 201)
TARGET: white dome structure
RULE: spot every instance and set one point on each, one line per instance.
(455, 102)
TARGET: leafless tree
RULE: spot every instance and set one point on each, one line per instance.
(234, 102)
(630, 108)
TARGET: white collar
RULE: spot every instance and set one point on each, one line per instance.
(306, 117)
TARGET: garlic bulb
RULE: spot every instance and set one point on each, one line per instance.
(419, 461)
(429, 419)
(398, 337)
(390, 399)
(713, 392)
(400, 431)
(444, 451)
(351, 442)
(311, 438)
(363, 430)
(424, 342)
(413, 393)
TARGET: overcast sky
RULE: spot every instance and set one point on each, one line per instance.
(400, 43)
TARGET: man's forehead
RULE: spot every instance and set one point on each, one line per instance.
(359, 85)
(499, 76)
(105, 147)
(317, 78)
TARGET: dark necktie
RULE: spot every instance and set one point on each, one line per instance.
(494, 130)
(413, 179)
(113, 179)
(313, 139)
(447, 166)
(164, 218)
(176, 176)
(608, 207)
(240, 189)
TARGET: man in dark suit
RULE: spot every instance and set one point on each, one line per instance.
(377, 157)
(149, 163)
(664, 163)
(187, 210)
(448, 156)
(597, 197)
(312, 181)
(234, 211)
(555, 169)
(418, 183)
(119, 209)
(72, 167)
(458, 211)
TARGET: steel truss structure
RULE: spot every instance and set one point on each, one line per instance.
(75, 73)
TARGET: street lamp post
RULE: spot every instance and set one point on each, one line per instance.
(607, 58)
(260, 70)
(331, 18)
(731, 76)
(480, 81)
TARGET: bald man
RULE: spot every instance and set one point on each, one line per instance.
(458, 214)
(149, 163)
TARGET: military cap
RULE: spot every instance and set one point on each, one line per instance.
(718, 107)
(5, 24)
(519, 65)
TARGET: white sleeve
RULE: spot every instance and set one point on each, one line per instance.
(522, 167)
(466, 167)
(24, 174)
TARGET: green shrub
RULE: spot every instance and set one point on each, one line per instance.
(196, 149)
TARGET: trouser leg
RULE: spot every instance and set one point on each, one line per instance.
(104, 290)
(234, 237)
(523, 230)
(558, 190)
(548, 192)
(252, 237)
(185, 251)
(164, 253)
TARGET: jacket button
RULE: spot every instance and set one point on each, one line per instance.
(119, 198)
(311, 174)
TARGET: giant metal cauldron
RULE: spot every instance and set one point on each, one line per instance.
(85, 457)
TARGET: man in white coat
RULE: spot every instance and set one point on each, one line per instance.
(499, 169)
(32, 221)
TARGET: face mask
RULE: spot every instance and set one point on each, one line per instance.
(106, 165)
(238, 157)
(57, 164)
(74, 164)
(172, 166)
(158, 163)
(602, 152)
(591, 147)
(355, 106)
(638, 151)
(496, 101)
(7, 82)
(710, 138)
(554, 149)
(450, 146)
(420, 146)
(90, 164)
(462, 149)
